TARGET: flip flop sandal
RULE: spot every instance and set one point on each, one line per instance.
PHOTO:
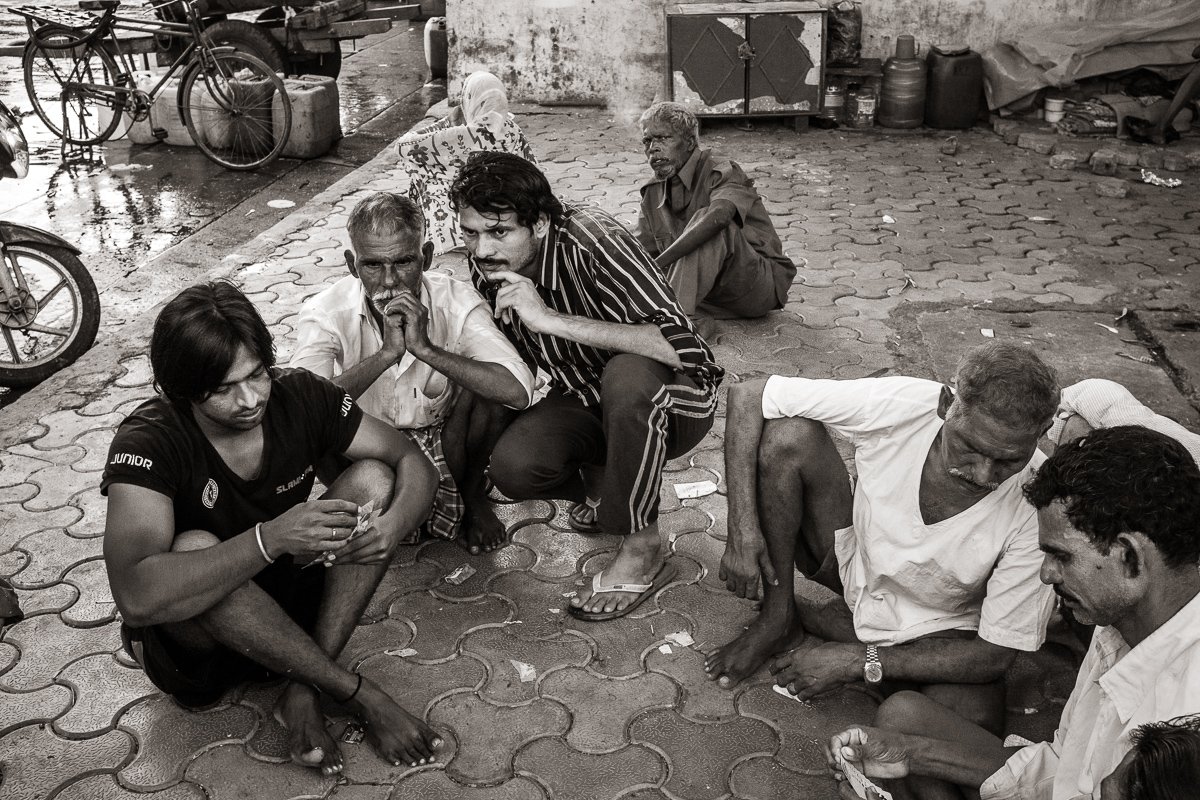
(661, 578)
(581, 525)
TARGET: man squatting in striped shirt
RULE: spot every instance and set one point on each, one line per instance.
(632, 382)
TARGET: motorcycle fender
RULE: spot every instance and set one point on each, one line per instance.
(12, 233)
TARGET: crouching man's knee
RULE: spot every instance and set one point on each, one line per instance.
(903, 712)
(789, 440)
(366, 481)
(193, 540)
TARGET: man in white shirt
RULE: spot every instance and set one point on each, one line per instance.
(419, 350)
(935, 555)
(1117, 510)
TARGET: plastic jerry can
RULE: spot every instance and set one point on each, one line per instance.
(902, 95)
(436, 47)
(316, 120)
(955, 91)
(254, 132)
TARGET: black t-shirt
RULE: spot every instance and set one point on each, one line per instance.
(161, 448)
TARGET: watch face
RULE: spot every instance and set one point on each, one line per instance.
(873, 673)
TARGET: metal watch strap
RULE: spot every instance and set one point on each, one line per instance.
(873, 660)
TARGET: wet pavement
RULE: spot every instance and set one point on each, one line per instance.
(124, 204)
(907, 257)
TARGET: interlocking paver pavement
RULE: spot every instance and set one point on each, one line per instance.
(891, 236)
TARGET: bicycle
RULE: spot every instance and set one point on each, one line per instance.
(82, 82)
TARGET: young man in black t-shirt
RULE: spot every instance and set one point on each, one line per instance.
(210, 527)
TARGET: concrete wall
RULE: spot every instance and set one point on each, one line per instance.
(612, 52)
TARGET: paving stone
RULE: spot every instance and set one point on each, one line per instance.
(103, 689)
(620, 645)
(36, 762)
(400, 579)
(46, 646)
(52, 555)
(541, 605)
(91, 522)
(498, 646)
(416, 684)
(40, 705)
(451, 555)
(440, 623)
(716, 617)
(765, 778)
(559, 551)
(583, 776)
(437, 785)
(212, 769)
(805, 727)
(105, 787)
(168, 737)
(376, 637)
(702, 699)
(16, 523)
(59, 485)
(602, 707)
(488, 736)
(95, 604)
(701, 756)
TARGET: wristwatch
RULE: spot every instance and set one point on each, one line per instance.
(872, 669)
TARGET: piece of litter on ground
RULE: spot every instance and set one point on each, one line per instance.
(555, 610)
(1108, 328)
(1124, 313)
(353, 734)
(782, 690)
(1029, 711)
(688, 491)
(888, 219)
(1041, 219)
(988, 333)
(281, 203)
(683, 639)
(402, 652)
(129, 167)
(1152, 179)
(569, 594)
(460, 575)
(1140, 359)
(526, 671)
(251, 211)
(665, 649)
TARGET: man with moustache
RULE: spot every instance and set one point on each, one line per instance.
(934, 556)
(632, 383)
(705, 223)
(1117, 509)
(419, 350)
(210, 528)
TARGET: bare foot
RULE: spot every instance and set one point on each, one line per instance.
(397, 736)
(483, 531)
(637, 561)
(299, 710)
(766, 636)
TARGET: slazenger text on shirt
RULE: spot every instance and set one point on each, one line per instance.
(294, 482)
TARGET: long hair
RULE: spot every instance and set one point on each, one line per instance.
(196, 339)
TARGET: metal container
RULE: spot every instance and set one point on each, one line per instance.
(954, 93)
(834, 105)
(860, 108)
(902, 95)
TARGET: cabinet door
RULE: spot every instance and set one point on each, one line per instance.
(708, 74)
(785, 73)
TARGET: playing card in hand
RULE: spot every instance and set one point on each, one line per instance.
(863, 787)
(367, 514)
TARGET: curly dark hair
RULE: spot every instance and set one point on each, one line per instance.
(1123, 479)
(497, 183)
(1166, 765)
(196, 339)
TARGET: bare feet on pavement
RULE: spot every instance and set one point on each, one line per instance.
(397, 736)
(637, 561)
(483, 531)
(742, 657)
(299, 710)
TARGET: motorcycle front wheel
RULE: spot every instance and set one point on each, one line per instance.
(53, 319)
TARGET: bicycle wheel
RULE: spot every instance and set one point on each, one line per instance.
(236, 109)
(58, 78)
(58, 316)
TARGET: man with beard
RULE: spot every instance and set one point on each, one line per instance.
(934, 556)
(632, 383)
(705, 223)
(420, 351)
(1117, 510)
(210, 527)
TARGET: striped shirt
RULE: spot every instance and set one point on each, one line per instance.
(592, 267)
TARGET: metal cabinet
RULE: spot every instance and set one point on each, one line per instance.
(746, 59)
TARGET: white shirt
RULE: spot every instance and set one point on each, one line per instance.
(977, 570)
(1105, 404)
(1117, 689)
(335, 331)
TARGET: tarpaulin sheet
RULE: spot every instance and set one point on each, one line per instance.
(1063, 54)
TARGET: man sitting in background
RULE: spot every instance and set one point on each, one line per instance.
(705, 224)
(420, 351)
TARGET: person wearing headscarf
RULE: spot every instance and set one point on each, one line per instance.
(432, 155)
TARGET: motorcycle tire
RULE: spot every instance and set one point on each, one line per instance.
(69, 323)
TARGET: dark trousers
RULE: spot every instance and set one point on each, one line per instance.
(648, 414)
